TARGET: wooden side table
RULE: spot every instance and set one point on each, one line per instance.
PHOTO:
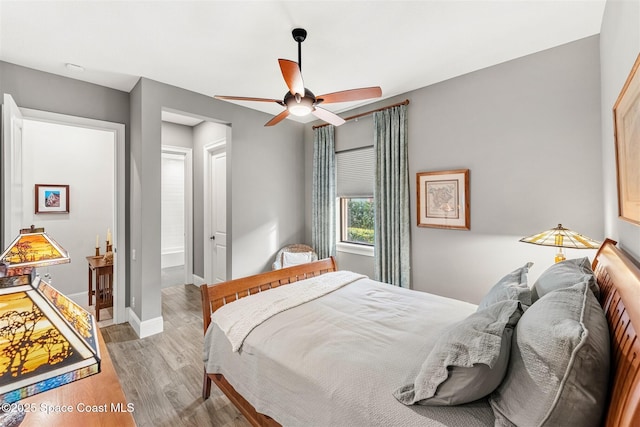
(104, 283)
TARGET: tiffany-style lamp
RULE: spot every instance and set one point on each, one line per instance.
(562, 238)
(46, 339)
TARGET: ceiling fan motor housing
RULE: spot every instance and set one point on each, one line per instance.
(299, 34)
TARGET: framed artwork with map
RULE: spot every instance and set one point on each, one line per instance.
(443, 199)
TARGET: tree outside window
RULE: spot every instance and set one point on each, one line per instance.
(357, 220)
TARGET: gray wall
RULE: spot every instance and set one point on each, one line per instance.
(265, 181)
(48, 92)
(177, 135)
(529, 131)
(265, 169)
(619, 48)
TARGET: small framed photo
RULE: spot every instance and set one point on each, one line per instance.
(443, 199)
(52, 198)
(626, 114)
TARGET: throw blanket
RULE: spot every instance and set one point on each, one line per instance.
(238, 319)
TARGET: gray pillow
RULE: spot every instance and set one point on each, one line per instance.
(468, 361)
(559, 367)
(512, 286)
(564, 274)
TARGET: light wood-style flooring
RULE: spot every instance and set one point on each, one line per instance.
(162, 374)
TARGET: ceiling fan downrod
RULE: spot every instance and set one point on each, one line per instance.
(299, 35)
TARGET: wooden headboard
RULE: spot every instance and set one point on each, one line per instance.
(619, 280)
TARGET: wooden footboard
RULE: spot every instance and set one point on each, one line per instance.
(215, 296)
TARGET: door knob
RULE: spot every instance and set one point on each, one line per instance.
(213, 237)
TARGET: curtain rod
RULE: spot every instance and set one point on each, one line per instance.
(405, 102)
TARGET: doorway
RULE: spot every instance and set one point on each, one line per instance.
(176, 216)
(204, 137)
(73, 228)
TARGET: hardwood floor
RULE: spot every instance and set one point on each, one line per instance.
(162, 374)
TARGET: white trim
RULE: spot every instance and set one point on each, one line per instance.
(352, 248)
(197, 280)
(146, 328)
(208, 149)
(188, 208)
(79, 298)
(12, 119)
(119, 235)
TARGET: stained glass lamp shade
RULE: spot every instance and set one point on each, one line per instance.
(35, 249)
(46, 339)
(562, 237)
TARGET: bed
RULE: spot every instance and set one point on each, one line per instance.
(302, 382)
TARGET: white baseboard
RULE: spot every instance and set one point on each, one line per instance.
(80, 298)
(172, 259)
(197, 280)
(144, 328)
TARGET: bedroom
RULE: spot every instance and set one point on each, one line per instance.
(599, 65)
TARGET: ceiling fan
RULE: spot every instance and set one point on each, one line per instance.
(300, 101)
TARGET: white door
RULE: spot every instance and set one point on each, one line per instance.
(12, 143)
(216, 214)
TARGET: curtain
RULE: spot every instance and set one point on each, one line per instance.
(391, 196)
(323, 229)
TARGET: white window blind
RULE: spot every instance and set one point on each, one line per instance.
(355, 172)
(172, 202)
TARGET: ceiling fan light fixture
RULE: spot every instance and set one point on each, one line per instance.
(300, 108)
(300, 101)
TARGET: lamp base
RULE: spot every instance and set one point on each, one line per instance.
(13, 417)
(560, 255)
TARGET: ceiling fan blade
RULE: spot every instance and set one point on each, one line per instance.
(277, 119)
(328, 116)
(292, 76)
(351, 95)
(245, 98)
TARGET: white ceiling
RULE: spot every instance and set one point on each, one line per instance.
(232, 47)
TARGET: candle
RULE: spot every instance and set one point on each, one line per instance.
(97, 240)
(108, 236)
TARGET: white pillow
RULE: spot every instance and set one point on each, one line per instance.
(295, 258)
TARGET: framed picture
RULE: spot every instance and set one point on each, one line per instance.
(626, 115)
(52, 198)
(443, 199)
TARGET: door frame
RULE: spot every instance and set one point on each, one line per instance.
(119, 202)
(188, 208)
(208, 150)
(10, 110)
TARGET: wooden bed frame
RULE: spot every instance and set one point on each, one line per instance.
(619, 280)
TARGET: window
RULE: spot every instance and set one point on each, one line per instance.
(354, 188)
(356, 220)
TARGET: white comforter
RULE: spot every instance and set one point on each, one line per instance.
(238, 319)
(335, 360)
